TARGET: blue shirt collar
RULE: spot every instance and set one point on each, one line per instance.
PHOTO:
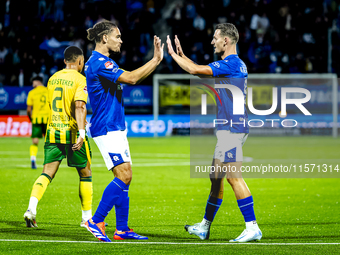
(231, 55)
(98, 53)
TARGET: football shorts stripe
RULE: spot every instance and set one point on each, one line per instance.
(57, 136)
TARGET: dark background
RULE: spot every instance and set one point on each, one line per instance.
(275, 36)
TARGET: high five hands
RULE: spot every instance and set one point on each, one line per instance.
(158, 49)
(179, 49)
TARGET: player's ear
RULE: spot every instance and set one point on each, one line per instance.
(105, 38)
(65, 61)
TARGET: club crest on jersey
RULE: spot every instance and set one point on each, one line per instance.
(109, 65)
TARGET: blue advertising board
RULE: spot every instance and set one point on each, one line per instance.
(13, 98)
(137, 95)
(144, 125)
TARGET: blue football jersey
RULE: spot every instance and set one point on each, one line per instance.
(105, 94)
(233, 71)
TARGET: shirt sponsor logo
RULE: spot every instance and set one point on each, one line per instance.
(216, 64)
(243, 69)
(101, 59)
(109, 65)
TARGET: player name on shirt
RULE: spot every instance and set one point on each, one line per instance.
(61, 82)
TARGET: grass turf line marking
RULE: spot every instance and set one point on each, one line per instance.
(169, 243)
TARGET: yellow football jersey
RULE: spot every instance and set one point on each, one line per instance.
(37, 98)
(64, 88)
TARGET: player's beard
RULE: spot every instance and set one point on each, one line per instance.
(220, 54)
(113, 53)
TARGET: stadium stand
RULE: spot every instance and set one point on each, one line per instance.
(275, 36)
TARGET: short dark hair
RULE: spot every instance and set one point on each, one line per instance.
(37, 78)
(229, 30)
(71, 54)
(101, 28)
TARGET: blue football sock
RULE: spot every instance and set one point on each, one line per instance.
(122, 211)
(246, 206)
(213, 204)
(110, 196)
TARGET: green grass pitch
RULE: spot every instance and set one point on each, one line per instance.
(296, 216)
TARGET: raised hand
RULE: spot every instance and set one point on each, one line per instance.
(170, 49)
(178, 47)
(158, 48)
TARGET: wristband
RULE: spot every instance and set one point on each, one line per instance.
(82, 133)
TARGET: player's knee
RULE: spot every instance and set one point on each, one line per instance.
(128, 179)
(128, 176)
(216, 178)
(85, 172)
(233, 181)
(124, 173)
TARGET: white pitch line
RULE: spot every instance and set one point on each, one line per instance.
(166, 243)
(166, 155)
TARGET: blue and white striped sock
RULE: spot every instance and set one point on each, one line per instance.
(246, 206)
(213, 204)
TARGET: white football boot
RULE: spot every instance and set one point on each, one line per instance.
(30, 219)
(248, 235)
(198, 230)
(82, 223)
